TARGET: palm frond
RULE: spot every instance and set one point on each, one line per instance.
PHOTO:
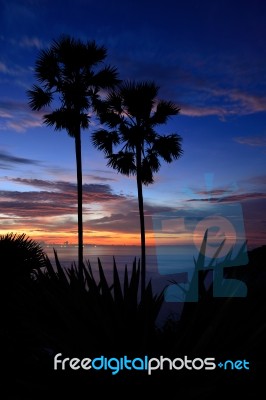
(67, 68)
(168, 147)
(111, 119)
(73, 52)
(123, 162)
(95, 53)
(114, 100)
(105, 140)
(139, 98)
(146, 172)
(39, 98)
(128, 110)
(66, 119)
(106, 78)
(152, 159)
(164, 110)
(47, 69)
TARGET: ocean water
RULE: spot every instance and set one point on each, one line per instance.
(162, 262)
(176, 257)
(164, 265)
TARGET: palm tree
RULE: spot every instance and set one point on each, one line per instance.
(131, 114)
(69, 76)
(22, 256)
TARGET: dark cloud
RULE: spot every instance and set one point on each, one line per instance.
(63, 186)
(116, 223)
(214, 192)
(7, 159)
(28, 206)
(231, 198)
(52, 207)
(57, 198)
(99, 178)
(104, 171)
(128, 221)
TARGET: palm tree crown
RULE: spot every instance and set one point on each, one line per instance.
(132, 113)
(68, 75)
(66, 69)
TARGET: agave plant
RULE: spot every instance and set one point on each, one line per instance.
(58, 312)
(61, 312)
(219, 311)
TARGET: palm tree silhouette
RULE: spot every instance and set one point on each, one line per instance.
(68, 75)
(131, 113)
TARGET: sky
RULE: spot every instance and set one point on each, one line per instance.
(208, 57)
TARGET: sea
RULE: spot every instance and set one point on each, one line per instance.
(165, 265)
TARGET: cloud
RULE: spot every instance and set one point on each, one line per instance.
(22, 125)
(194, 111)
(5, 113)
(251, 103)
(232, 198)
(52, 199)
(253, 208)
(17, 116)
(63, 186)
(99, 178)
(7, 160)
(30, 42)
(202, 86)
(3, 68)
(223, 103)
(25, 42)
(127, 221)
(51, 207)
(254, 141)
(13, 72)
(214, 192)
(256, 180)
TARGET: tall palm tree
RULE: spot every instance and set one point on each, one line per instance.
(131, 113)
(69, 75)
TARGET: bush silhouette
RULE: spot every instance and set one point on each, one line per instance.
(20, 255)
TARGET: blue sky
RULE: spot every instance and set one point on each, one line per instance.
(208, 57)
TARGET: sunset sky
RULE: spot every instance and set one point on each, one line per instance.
(209, 57)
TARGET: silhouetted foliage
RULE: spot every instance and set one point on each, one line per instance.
(68, 75)
(132, 113)
(57, 312)
(20, 255)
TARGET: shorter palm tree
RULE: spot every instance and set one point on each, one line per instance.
(131, 114)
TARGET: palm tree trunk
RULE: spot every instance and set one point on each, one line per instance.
(142, 224)
(79, 193)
